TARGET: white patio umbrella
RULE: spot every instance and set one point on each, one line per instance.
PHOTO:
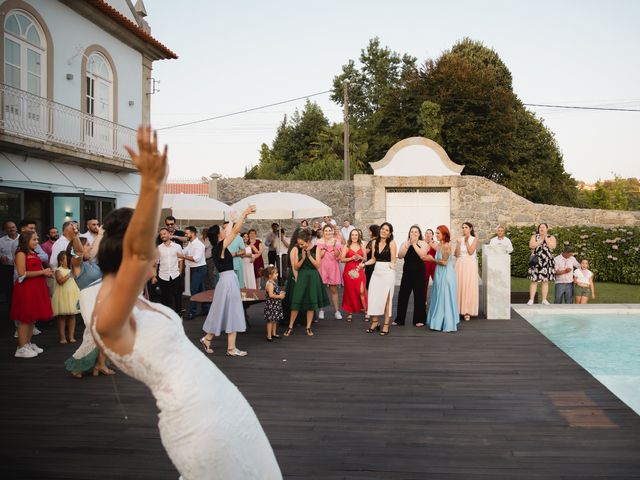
(195, 207)
(282, 206)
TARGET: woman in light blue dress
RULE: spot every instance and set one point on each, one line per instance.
(443, 308)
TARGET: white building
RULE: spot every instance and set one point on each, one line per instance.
(75, 84)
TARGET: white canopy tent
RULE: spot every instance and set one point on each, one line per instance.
(195, 207)
(282, 206)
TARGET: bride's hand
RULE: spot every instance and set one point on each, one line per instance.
(151, 164)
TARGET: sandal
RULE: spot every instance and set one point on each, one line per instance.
(349, 318)
(102, 371)
(236, 353)
(288, 332)
(467, 317)
(383, 332)
(206, 345)
(373, 328)
(309, 333)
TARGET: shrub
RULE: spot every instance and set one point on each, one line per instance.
(613, 253)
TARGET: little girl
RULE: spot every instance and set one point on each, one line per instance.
(273, 305)
(583, 283)
(66, 295)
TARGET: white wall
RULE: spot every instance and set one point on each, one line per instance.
(415, 161)
(69, 32)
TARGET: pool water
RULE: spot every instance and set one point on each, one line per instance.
(607, 346)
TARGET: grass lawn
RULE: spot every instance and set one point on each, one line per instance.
(605, 292)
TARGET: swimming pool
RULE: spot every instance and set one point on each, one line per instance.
(607, 345)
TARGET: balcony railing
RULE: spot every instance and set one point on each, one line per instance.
(26, 115)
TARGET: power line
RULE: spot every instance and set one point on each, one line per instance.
(245, 111)
(253, 109)
(576, 107)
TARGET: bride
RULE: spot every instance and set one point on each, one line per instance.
(205, 423)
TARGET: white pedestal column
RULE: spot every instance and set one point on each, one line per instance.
(496, 279)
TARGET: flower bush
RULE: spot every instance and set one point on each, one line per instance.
(613, 253)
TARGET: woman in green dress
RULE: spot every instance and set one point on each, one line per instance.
(307, 293)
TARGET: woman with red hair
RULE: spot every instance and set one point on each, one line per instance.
(443, 313)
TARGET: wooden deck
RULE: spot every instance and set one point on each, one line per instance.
(493, 401)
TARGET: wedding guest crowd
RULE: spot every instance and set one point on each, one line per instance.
(318, 260)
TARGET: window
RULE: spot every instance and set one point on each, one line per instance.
(25, 52)
(98, 208)
(99, 83)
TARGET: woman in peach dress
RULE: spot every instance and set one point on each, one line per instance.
(467, 272)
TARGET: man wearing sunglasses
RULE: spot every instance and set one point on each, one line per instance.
(177, 236)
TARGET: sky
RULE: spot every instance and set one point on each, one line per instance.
(239, 55)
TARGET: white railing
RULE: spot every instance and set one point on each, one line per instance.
(34, 117)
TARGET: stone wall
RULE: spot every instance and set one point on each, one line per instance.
(337, 194)
(482, 202)
(474, 199)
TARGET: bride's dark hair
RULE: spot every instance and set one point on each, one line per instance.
(110, 252)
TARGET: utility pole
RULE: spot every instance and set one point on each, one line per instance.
(345, 92)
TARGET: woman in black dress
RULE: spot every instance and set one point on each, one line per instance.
(414, 278)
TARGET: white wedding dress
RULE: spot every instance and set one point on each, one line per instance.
(207, 427)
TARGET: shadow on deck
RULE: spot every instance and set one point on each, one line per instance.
(496, 400)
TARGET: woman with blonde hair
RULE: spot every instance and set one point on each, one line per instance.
(541, 264)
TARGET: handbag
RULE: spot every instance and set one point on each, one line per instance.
(354, 273)
(533, 260)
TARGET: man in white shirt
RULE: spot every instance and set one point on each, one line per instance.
(346, 230)
(283, 257)
(194, 257)
(169, 271)
(501, 240)
(565, 263)
(92, 231)
(326, 220)
(69, 230)
(8, 243)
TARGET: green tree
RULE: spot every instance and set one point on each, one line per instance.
(307, 147)
(381, 109)
(431, 121)
(487, 129)
(617, 194)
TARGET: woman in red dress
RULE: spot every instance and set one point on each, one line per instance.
(354, 298)
(257, 248)
(30, 300)
(430, 266)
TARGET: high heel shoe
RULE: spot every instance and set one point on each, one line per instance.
(206, 345)
(373, 328)
(382, 332)
(288, 332)
(102, 371)
(310, 333)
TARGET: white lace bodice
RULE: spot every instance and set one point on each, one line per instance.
(463, 246)
(205, 422)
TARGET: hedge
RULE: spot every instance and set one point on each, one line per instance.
(613, 253)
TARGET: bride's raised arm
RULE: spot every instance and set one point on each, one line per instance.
(138, 244)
